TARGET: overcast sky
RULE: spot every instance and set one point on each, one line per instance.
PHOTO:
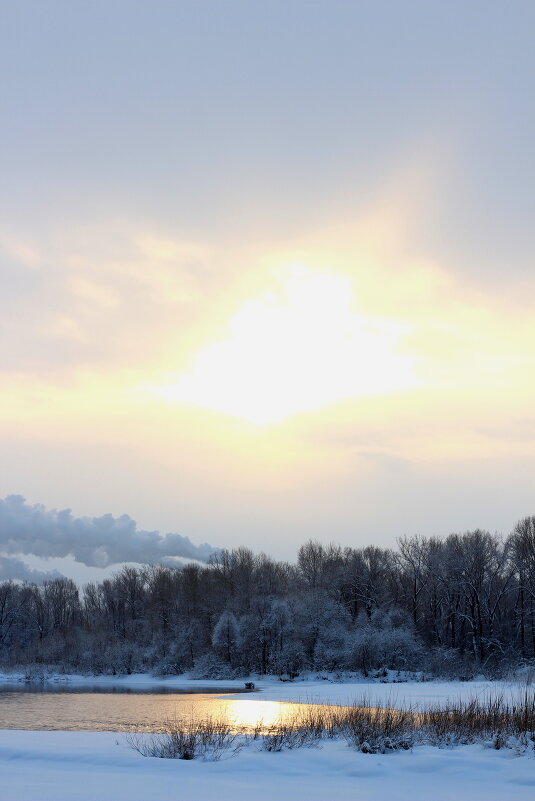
(267, 268)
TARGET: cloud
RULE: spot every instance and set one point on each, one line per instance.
(13, 568)
(105, 294)
(94, 541)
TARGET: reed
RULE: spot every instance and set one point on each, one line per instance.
(369, 729)
(193, 738)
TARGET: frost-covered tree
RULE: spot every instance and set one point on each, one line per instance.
(226, 636)
(460, 604)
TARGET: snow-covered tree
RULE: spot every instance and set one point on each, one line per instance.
(226, 636)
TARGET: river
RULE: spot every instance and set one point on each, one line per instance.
(88, 708)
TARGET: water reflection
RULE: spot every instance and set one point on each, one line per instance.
(248, 714)
(58, 687)
(71, 709)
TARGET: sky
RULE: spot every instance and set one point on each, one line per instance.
(267, 269)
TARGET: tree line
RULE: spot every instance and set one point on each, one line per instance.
(456, 606)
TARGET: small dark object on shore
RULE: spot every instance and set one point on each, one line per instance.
(249, 685)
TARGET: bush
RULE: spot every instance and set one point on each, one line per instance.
(210, 666)
(394, 648)
(306, 728)
(375, 730)
(476, 720)
(209, 738)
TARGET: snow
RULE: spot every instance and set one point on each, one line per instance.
(84, 766)
(414, 694)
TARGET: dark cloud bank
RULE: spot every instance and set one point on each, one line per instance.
(94, 541)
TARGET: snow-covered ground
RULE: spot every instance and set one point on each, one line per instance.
(416, 695)
(82, 766)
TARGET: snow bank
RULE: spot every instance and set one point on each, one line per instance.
(81, 766)
(417, 695)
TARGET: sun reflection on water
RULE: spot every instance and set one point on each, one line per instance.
(84, 710)
(248, 714)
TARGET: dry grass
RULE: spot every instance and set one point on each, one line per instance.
(378, 729)
(209, 738)
(306, 728)
(492, 718)
(373, 729)
(368, 729)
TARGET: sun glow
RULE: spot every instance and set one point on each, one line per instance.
(293, 350)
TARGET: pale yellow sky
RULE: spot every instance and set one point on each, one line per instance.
(278, 297)
(297, 390)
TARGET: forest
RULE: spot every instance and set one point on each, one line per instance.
(456, 607)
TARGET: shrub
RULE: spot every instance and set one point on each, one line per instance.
(377, 730)
(210, 666)
(492, 718)
(208, 738)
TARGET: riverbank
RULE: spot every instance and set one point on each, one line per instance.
(83, 766)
